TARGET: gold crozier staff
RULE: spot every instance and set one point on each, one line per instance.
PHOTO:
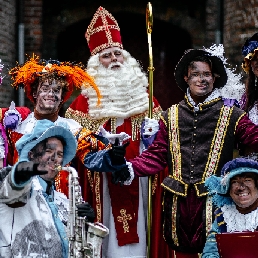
(149, 23)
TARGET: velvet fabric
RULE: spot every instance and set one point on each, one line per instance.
(185, 255)
(191, 210)
(189, 219)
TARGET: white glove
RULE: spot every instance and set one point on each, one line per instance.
(151, 126)
(112, 137)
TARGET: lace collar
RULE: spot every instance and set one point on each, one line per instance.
(239, 222)
(214, 95)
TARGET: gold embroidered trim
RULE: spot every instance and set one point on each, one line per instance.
(106, 27)
(94, 143)
(113, 125)
(1, 114)
(174, 143)
(154, 184)
(175, 192)
(124, 218)
(217, 215)
(85, 120)
(174, 212)
(90, 179)
(217, 142)
(221, 223)
(208, 214)
(164, 121)
(93, 124)
(174, 147)
(208, 103)
(98, 199)
(216, 145)
(238, 121)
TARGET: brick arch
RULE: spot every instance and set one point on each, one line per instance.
(169, 43)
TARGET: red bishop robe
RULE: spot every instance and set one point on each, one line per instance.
(125, 197)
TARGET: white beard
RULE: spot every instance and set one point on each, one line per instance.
(124, 91)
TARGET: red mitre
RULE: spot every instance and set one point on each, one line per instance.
(103, 32)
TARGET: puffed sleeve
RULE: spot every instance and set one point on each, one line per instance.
(210, 249)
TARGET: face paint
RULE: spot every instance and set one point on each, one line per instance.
(49, 97)
(243, 190)
(48, 157)
(199, 79)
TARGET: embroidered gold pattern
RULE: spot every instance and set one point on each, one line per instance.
(154, 184)
(221, 223)
(106, 27)
(216, 145)
(113, 125)
(93, 125)
(85, 120)
(208, 214)
(90, 179)
(174, 143)
(174, 212)
(217, 215)
(124, 218)
(217, 142)
(239, 120)
(98, 199)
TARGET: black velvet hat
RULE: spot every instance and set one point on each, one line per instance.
(218, 68)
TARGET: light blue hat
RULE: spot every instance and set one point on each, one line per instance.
(219, 186)
(43, 130)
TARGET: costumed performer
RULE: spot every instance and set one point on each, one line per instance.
(195, 139)
(33, 215)
(124, 106)
(235, 194)
(48, 84)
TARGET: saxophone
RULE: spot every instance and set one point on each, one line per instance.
(81, 243)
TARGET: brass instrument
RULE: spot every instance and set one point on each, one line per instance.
(82, 243)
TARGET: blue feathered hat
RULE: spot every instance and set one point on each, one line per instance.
(249, 49)
(219, 186)
(43, 130)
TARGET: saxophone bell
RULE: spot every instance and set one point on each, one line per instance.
(82, 243)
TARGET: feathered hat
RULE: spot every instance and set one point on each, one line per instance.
(103, 32)
(74, 74)
(218, 68)
(219, 186)
(249, 49)
(45, 129)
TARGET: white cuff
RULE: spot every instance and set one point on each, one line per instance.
(130, 168)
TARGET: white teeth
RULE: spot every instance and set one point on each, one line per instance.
(243, 194)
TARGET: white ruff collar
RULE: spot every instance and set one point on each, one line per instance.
(239, 222)
(253, 114)
(214, 95)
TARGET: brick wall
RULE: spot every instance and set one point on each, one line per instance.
(33, 26)
(200, 21)
(240, 22)
(7, 47)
